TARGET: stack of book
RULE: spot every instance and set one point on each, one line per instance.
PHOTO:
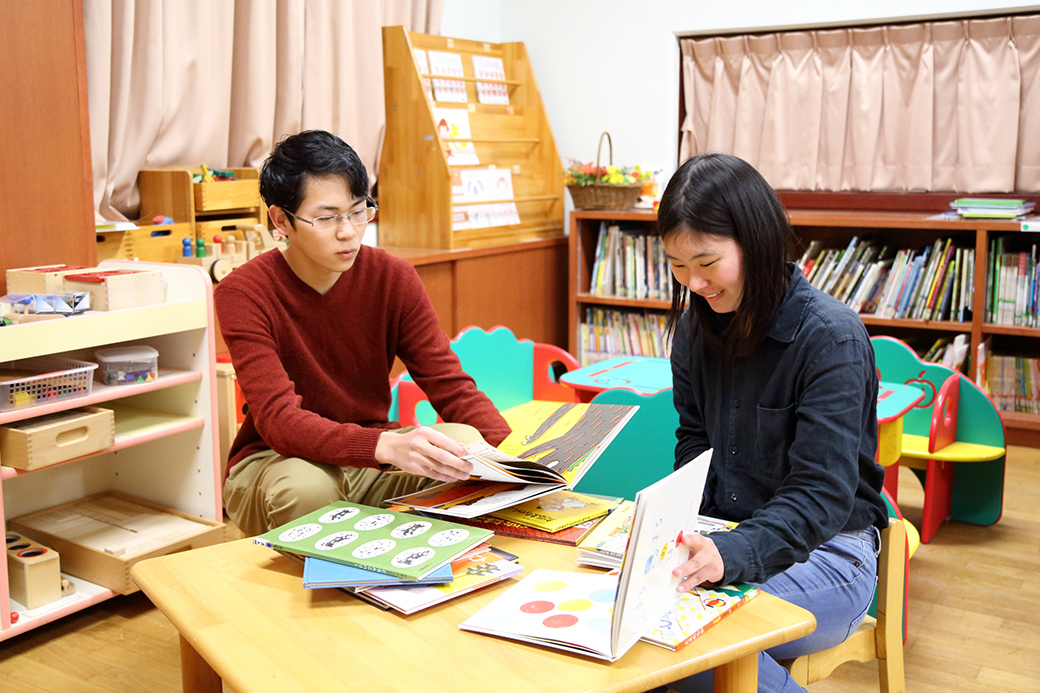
(604, 547)
(631, 264)
(930, 283)
(564, 517)
(399, 560)
(991, 208)
(1012, 286)
(607, 334)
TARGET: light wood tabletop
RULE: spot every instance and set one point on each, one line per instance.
(245, 618)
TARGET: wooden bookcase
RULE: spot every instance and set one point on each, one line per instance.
(836, 228)
(416, 207)
(165, 448)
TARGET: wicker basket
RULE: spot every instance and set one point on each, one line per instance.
(605, 195)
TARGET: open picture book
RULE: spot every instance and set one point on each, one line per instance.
(603, 615)
(553, 444)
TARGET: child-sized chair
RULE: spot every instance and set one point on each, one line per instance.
(508, 370)
(644, 450)
(953, 439)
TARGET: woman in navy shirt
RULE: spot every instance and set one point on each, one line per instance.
(778, 378)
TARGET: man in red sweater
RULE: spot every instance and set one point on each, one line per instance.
(313, 331)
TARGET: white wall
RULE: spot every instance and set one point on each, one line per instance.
(614, 64)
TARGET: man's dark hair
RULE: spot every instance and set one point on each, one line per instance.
(299, 157)
(722, 195)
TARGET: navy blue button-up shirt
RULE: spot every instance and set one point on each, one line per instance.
(794, 431)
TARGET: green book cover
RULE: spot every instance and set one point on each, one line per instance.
(384, 541)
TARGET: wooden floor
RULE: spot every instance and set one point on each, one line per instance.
(974, 621)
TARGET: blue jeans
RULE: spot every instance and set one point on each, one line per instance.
(836, 585)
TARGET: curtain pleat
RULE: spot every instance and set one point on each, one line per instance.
(942, 106)
(178, 83)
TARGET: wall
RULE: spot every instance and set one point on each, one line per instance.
(614, 65)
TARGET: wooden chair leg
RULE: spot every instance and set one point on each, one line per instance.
(938, 490)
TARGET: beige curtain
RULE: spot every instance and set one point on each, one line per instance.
(942, 106)
(185, 82)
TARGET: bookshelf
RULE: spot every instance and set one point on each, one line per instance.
(464, 173)
(834, 229)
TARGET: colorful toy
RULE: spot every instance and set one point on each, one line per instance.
(160, 220)
(226, 252)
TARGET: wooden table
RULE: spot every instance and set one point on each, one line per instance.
(245, 618)
(644, 374)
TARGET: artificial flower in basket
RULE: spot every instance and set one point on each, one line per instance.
(606, 187)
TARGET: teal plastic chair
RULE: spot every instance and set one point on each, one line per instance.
(642, 453)
(508, 370)
(953, 439)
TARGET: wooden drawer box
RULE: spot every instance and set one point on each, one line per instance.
(54, 438)
(102, 536)
(230, 194)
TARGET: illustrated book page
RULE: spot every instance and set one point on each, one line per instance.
(558, 510)
(695, 612)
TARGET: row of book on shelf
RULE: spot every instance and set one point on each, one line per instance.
(930, 283)
(607, 334)
(407, 557)
(631, 264)
(1012, 382)
(1012, 286)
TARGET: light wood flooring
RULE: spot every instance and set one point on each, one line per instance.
(974, 621)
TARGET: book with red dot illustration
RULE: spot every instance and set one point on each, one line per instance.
(603, 615)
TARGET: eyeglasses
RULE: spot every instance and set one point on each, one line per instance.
(331, 222)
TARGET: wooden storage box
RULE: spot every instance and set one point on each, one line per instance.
(229, 194)
(102, 536)
(46, 279)
(47, 440)
(33, 572)
(118, 289)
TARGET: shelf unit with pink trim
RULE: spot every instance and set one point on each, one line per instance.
(165, 449)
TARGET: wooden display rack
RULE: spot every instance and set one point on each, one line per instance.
(415, 179)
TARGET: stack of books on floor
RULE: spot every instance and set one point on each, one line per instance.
(992, 208)
(389, 558)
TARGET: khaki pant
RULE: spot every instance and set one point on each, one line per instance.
(267, 490)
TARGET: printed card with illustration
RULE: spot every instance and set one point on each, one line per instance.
(449, 64)
(380, 540)
(603, 615)
(489, 67)
(558, 510)
(695, 612)
(453, 125)
(551, 447)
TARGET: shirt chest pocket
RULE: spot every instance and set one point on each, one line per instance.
(776, 428)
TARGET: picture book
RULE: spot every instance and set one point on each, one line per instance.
(469, 573)
(605, 545)
(603, 615)
(569, 536)
(695, 612)
(383, 541)
(551, 447)
(558, 510)
(319, 573)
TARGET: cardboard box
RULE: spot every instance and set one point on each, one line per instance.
(45, 279)
(118, 289)
(102, 536)
(46, 440)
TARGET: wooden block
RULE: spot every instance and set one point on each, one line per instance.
(102, 536)
(45, 279)
(47, 440)
(33, 572)
(118, 289)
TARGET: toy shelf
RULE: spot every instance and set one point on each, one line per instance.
(165, 448)
(420, 203)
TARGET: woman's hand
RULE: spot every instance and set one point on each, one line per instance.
(704, 565)
(424, 452)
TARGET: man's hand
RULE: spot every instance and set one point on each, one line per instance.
(705, 563)
(424, 452)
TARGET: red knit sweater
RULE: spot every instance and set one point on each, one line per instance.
(315, 368)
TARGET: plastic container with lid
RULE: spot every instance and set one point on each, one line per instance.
(127, 365)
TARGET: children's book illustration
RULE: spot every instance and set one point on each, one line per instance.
(378, 540)
(453, 124)
(695, 612)
(558, 510)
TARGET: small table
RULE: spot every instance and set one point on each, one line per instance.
(245, 618)
(894, 400)
(645, 374)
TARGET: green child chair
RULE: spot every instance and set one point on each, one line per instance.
(508, 370)
(953, 439)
